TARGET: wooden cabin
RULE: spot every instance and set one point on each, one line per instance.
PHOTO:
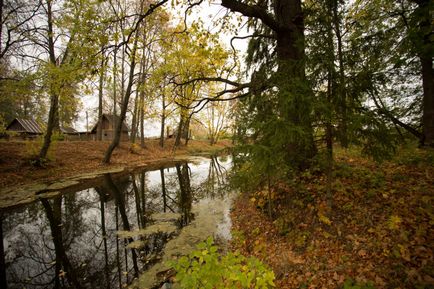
(72, 134)
(25, 128)
(108, 123)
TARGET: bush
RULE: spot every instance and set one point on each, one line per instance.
(206, 268)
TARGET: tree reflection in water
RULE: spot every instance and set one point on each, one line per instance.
(72, 241)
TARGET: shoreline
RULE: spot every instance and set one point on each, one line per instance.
(16, 195)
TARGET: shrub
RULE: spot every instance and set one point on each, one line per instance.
(206, 268)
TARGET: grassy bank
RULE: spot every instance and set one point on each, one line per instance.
(377, 231)
(70, 158)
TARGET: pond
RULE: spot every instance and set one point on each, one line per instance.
(117, 232)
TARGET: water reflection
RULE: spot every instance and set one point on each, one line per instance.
(106, 235)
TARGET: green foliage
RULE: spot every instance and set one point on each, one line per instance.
(33, 147)
(3, 124)
(19, 95)
(350, 284)
(57, 136)
(410, 155)
(206, 268)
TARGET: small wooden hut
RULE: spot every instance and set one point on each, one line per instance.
(108, 123)
(70, 133)
(25, 128)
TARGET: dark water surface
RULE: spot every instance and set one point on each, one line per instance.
(111, 233)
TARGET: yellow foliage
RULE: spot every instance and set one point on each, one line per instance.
(323, 219)
(394, 222)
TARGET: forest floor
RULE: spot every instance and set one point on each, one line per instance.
(378, 232)
(69, 158)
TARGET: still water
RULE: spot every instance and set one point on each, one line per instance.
(119, 232)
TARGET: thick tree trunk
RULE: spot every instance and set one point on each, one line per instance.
(186, 131)
(179, 131)
(295, 98)
(428, 101)
(1, 26)
(53, 115)
(426, 59)
(125, 100)
(52, 125)
(185, 198)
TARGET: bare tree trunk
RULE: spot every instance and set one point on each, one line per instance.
(143, 197)
(135, 118)
(120, 203)
(163, 189)
(100, 97)
(126, 98)
(104, 238)
(141, 104)
(53, 115)
(3, 280)
(341, 88)
(55, 220)
(142, 125)
(115, 71)
(163, 119)
(1, 23)
(331, 94)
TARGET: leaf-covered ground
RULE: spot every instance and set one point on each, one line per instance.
(73, 157)
(378, 229)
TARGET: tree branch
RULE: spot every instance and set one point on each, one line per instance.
(254, 11)
(209, 79)
(395, 120)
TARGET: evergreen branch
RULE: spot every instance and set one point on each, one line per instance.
(382, 109)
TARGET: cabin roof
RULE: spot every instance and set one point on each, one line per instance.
(68, 130)
(111, 119)
(28, 125)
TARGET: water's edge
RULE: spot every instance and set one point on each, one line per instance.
(18, 196)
